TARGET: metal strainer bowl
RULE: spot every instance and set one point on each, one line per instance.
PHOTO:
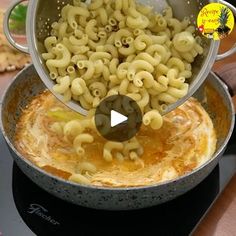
(41, 14)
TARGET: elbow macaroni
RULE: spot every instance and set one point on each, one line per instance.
(109, 147)
(82, 139)
(112, 47)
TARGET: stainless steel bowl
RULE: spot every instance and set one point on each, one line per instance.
(41, 14)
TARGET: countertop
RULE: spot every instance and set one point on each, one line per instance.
(221, 220)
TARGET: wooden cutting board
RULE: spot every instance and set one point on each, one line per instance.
(10, 59)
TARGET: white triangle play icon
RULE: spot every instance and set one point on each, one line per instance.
(117, 118)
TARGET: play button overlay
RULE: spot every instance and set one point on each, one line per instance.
(118, 118)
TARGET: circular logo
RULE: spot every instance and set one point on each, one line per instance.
(215, 21)
(118, 118)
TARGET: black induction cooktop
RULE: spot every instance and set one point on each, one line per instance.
(27, 210)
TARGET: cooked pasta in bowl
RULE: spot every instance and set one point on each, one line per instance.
(106, 48)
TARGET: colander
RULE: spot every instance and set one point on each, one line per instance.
(41, 14)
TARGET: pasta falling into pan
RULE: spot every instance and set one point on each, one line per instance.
(111, 47)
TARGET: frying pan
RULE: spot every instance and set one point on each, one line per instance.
(213, 95)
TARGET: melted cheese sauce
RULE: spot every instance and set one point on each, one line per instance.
(186, 141)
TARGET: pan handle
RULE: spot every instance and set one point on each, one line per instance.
(227, 75)
(6, 27)
(233, 49)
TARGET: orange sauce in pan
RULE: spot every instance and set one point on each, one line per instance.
(186, 141)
